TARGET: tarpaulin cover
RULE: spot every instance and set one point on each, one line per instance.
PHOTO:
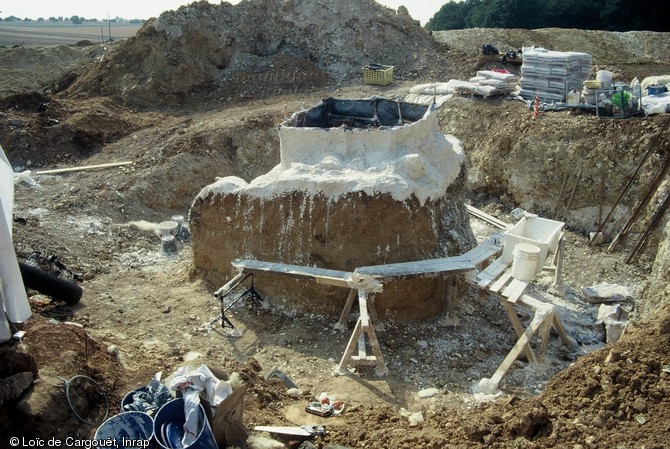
(363, 113)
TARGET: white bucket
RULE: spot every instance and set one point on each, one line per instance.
(168, 227)
(605, 78)
(524, 264)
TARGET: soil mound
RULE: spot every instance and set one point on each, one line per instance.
(209, 51)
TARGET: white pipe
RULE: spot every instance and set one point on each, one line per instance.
(12, 290)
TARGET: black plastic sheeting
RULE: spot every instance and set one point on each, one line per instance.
(362, 113)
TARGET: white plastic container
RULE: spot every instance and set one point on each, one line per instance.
(605, 78)
(573, 98)
(168, 227)
(179, 219)
(541, 232)
(526, 259)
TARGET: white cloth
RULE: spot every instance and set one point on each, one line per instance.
(193, 384)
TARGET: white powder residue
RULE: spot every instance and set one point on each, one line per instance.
(414, 159)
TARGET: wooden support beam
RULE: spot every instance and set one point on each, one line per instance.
(543, 334)
(560, 330)
(364, 327)
(223, 291)
(516, 350)
(81, 168)
(344, 316)
(490, 219)
(518, 328)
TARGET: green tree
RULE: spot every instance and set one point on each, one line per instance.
(451, 16)
(614, 15)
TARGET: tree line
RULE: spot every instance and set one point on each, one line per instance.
(74, 19)
(608, 15)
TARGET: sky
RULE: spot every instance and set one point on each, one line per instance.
(421, 10)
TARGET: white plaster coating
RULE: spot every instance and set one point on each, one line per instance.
(413, 159)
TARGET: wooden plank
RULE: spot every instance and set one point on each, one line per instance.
(365, 360)
(534, 302)
(363, 308)
(325, 276)
(516, 350)
(501, 281)
(565, 338)
(482, 253)
(223, 291)
(296, 431)
(453, 265)
(490, 219)
(514, 290)
(543, 333)
(344, 316)
(518, 329)
(351, 346)
(82, 168)
(491, 272)
(357, 341)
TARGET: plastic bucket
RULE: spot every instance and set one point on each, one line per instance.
(128, 429)
(524, 264)
(128, 399)
(605, 78)
(168, 227)
(592, 84)
(179, 219)
(169, 427)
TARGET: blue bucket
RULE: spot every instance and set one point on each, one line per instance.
(128, 429)
(128, 399)
(169, 427)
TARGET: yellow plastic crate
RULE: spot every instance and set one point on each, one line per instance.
(380, 75)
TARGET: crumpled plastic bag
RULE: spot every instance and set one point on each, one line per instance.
(151, 398)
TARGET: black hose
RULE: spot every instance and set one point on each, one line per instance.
(48, 284)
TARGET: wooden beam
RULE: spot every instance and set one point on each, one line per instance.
(490, 219)
(516, 350)
(364, 327)
(344, 316)
(518, 329)
(82, 168)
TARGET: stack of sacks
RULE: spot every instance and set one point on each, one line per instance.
(503, 82)
(487, 83)
(551, 74)
(429, 93)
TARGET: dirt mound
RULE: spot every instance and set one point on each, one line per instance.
(203, 50)
(22, 67)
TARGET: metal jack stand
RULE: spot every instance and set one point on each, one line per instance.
(227, 289)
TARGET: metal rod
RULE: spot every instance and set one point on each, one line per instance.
(642, 243)
(630, 182)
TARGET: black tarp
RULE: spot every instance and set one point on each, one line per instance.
(362, 113)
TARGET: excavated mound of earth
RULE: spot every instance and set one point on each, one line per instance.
(186, 103)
